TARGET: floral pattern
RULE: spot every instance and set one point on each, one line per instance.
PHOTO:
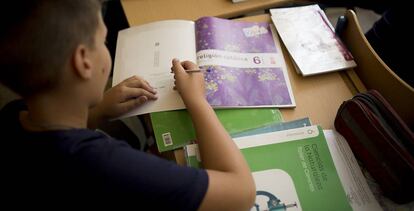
(229, 86)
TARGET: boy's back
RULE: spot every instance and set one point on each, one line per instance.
(53, 54)
(83, 161)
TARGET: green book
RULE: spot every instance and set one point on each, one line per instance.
(174, 129)
(273, 127)
(293, 170)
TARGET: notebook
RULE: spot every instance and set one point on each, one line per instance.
(311, 40)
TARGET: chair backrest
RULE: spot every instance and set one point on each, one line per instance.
(375, 74)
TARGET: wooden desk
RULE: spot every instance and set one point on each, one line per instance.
(317, 97)
(144, 11)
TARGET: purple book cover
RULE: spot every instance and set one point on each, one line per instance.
(229, 85)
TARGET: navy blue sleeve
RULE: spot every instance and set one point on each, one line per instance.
(150, 179)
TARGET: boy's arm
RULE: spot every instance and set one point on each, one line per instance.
(231, 185)
(121, 99)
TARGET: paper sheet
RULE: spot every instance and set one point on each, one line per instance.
(147, 51)
(356, 188)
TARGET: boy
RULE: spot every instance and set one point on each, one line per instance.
(53, 54)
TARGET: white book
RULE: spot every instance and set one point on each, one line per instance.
(311, 40)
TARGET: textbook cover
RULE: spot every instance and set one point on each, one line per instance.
(311, 40)
(174, 129)
(242, 62)
(292, 169)
(302, 169)
(244, 66)
(273, 127)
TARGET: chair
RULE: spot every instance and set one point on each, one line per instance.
(374, 73)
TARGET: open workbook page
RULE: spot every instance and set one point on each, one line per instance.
(242, 62)
(147, 51)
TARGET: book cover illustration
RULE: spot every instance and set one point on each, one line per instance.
(275, 191)
(243, 65)
(299, 155)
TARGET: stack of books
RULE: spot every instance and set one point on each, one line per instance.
(298, 166)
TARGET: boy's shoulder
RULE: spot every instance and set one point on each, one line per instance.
(63, 139)
(84, 161)
(9, 116)
(12, 107)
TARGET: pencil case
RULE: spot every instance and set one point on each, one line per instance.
(381, 141)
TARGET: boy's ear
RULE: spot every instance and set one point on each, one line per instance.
(82, 62)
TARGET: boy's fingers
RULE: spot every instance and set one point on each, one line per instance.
(138, 92)
(148, 84)
(140, 84)
(133, 103)
(151, 89)
(189, 65)
(141, 100)
(177, 66)
(133, 78)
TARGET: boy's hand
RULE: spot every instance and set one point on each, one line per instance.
(121, 99)
(190, 85)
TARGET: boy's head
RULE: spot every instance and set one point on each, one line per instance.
(45, 44)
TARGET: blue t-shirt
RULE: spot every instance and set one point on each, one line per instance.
(83, 161)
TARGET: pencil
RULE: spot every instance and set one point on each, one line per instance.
(194, 71)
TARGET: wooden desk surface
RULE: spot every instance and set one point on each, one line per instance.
(317, 97)
(144, 11)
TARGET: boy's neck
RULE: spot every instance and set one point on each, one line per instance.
(51, 112)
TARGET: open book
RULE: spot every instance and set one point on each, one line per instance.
(242, 62)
